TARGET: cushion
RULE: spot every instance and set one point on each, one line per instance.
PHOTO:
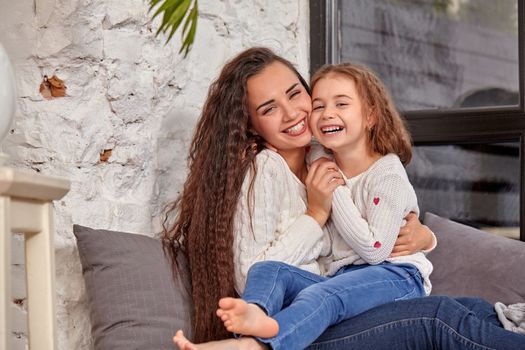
(134, 302)
(471, 262)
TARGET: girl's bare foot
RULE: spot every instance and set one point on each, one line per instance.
(229, 344)
(243, 318)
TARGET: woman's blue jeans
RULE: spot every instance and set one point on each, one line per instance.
(434, 322)
(306, 304)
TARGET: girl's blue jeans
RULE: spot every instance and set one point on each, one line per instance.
(305, 304)
(434, 322)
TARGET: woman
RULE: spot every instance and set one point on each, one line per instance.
(241, 203)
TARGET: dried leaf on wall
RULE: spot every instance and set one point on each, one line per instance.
(52, 87)
(104, 156)
(45, 89)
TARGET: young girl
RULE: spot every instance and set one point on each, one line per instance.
(239, 207)
(348, 102)
(354, 117)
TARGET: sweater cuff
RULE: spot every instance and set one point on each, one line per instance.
(434, 244)
(309, 224)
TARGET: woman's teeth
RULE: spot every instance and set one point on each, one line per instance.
(296, 128)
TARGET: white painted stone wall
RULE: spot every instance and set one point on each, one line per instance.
(128, 93)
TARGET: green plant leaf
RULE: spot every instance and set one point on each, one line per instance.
(188, 19)
(176, 18)
(173, 13)
(168, 7)
(190, 37)
(153, 3)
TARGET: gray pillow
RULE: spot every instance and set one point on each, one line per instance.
(471, 262)
(133, 300)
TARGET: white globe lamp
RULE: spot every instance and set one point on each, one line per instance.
(7, 97)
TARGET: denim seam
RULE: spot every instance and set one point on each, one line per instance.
(440, 322)
(371, 285)
(466, 340)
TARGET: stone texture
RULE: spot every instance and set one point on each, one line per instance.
(127, 92)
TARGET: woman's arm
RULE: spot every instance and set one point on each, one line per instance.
(414, 237)
(259, 233)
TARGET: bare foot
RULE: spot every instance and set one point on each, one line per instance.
(229, 344)
(182, 342)
(243, 318)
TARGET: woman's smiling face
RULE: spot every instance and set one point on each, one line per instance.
(279, 107)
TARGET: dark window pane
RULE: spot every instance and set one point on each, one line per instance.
(474, 184)
(436, 53)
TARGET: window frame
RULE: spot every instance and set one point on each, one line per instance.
(438, 126)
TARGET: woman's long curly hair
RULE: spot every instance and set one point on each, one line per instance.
(389, 133)
(220, 155)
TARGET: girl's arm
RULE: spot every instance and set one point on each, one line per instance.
(323, 178)
(373, 238)
(414, 237)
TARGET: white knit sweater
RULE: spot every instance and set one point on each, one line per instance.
(367, 214)
(279, 229)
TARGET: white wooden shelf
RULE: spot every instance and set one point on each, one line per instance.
(26, 207)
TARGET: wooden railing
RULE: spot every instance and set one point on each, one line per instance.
(26, 207)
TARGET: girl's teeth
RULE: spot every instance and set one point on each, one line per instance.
(331, 129)
(295, 128)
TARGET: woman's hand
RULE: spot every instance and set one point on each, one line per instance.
(321, 181)
(413, 237)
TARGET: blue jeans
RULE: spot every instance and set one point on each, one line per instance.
(305, 304)
(434, 322)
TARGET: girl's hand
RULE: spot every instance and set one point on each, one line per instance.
(413, 237)
(321, 181)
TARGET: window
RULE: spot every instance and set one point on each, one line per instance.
(455, 69)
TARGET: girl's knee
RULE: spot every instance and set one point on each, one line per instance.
(267, 269)
(267, 265)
